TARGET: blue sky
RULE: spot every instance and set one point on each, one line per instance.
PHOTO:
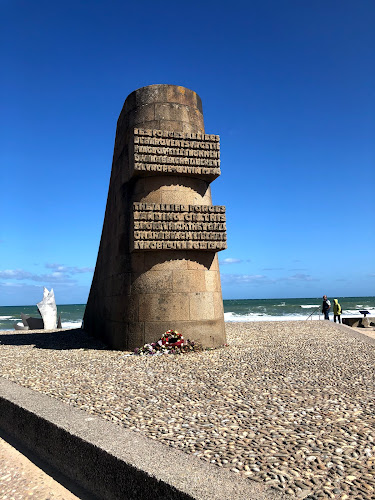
(287, 84)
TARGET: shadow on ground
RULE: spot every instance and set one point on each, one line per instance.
(62, 339)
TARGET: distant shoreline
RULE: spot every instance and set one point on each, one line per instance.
(235, 310)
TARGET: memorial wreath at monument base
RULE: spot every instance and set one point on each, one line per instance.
(171, 342)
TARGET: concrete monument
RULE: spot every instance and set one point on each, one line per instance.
(157, 265)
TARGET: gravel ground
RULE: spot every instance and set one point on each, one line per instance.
(287, 403)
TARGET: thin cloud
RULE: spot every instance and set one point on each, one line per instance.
(70, 270)
(15, 274)
(230, 260)
(60, 274)
(273, 269)
(21, 275)
(299, 277)
(245, 279)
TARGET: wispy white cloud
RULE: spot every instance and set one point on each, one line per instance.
(261, 279)
(299, 277)
(69, 270)
(230, 260)
(243, 279)
(60, 274)
(16, 274)
(21, 275)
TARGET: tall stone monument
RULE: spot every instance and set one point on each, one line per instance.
(157, 266)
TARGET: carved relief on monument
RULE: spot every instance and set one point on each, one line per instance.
(178, 227)
(181, 153)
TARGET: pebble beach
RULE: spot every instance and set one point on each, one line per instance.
(290, 404)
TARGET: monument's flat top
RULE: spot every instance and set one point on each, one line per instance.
(271, 406)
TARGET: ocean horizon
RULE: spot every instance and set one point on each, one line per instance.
(235, 310)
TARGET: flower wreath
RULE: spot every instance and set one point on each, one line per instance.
(172, 338)
(171, 342)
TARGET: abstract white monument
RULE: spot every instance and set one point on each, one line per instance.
(48, 310)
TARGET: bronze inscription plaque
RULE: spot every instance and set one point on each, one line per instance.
(178, 227)
(176, 153)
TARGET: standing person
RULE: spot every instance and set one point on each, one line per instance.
(326, 307)
(337, 310)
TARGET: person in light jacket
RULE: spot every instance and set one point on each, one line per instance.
(336, 310)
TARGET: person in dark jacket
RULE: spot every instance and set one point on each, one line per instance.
(336, 310)
(326, 307)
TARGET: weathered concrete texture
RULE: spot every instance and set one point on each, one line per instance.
(109, 461)
(136, 296)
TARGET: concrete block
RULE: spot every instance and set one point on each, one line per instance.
(140, 115)
(201, 306)
(132, 309)
(212, 279)
(176, 197)
(192, 280)
(151, 95)
(155, 329)
(136, 335)
(165, 262)
(138, 262)
(119, 333)
(185, 96)
(192, 127)
(171, 112)
(121, 284)
(152, 282)
(218, 303)
(166, 307)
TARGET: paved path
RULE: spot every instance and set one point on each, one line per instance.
(20, 478)
(370, 332)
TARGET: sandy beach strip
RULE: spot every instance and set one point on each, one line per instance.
(287, 403)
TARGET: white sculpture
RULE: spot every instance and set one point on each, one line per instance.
(48, 310)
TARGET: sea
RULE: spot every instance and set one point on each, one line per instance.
(234, 310)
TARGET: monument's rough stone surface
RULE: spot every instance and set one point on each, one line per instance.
(157, 265)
